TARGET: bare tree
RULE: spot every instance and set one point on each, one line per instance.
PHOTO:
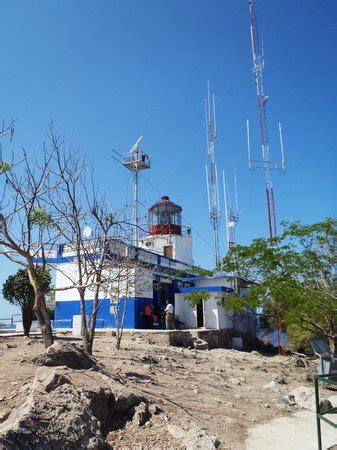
(81, 208)
(27, 229)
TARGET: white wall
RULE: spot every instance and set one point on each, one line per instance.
(223, 281)
(123, 283)
(186, 313)
(144, 285)
(181, 246)
(211, 312)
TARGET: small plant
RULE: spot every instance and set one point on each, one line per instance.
(4, 167)
(41, 217)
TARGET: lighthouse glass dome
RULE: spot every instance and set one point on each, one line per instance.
(165, 217)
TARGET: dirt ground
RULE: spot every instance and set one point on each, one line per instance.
(220, 390)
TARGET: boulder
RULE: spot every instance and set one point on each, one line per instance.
(200, 344)
(46, 380)
(279, 379)
(65, 354)
(194, 438)
(58, 420)
(304, 397)
(57, 415)
(140, 414)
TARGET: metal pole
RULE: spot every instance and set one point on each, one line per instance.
(318, 420)
(135, 209)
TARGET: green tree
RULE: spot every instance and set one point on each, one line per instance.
(18, 290)
(295, 278)
(197, 297)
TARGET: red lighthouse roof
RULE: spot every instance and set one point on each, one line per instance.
(165, 217)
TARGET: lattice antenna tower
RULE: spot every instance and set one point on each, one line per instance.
(231, 211)
(266, 164)
(136, 161)
(212, 174)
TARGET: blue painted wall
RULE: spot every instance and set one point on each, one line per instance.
(65, 310)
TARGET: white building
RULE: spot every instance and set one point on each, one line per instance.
(167, 251)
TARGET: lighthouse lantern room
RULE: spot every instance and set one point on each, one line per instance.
(165, 232)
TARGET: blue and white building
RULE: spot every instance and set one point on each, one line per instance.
(167, 251)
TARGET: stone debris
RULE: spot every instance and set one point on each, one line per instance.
(273, 385)
(140, 414)
(200, 344)
(65, 354)
(304, 397)
(194, 438)
(56, 414)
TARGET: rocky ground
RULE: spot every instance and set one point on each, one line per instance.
(147, 396)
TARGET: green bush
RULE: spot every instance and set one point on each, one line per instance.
(298, 339)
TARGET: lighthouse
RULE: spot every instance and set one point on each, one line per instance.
(166, 235)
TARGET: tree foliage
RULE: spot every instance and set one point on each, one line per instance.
(295, 278)
(18, 290)
(195, 298)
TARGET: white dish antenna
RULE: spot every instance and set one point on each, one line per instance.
(87, 232)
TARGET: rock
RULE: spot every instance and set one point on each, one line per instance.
(270, 386)
(4, 415)
(141, 414)
(65, 354)
(46, 380)
(57, 415)
(236, 381)
(200, 344)
(148, 359)
(299, 363)
(304, 397)
(254, 352)
(10, 346)
(194, 438)
(155, 409)
(59, 420)
(308, 378)
(279, 379)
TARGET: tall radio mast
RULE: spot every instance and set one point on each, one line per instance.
(266, 164)
(212, 175)
(231, 211)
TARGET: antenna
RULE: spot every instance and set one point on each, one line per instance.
(266, 164)
(209, 204)
(136, 160)
(232, 213)
(281, 143)
(212, 176)
(236, 191)
(225, 201)
(248, 146)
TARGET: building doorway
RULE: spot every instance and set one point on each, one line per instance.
(168, 251)
(200, 314)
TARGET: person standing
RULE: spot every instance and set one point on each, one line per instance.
(148, 316)
(169, 316)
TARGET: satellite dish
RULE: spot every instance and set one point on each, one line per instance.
(87, 232)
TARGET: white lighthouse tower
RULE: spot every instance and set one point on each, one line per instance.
(166, 236)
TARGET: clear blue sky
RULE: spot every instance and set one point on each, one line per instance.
(107, 72)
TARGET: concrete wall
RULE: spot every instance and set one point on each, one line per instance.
(186, 313)
(181, 246)
(211, 312)
(221, 281)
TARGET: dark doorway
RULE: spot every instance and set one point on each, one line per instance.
(200, 314)
(168, 251)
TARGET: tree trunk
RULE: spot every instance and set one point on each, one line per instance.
(93, 320)
(42, 313)
(84, 324)
(333, 346)
(27, 318)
